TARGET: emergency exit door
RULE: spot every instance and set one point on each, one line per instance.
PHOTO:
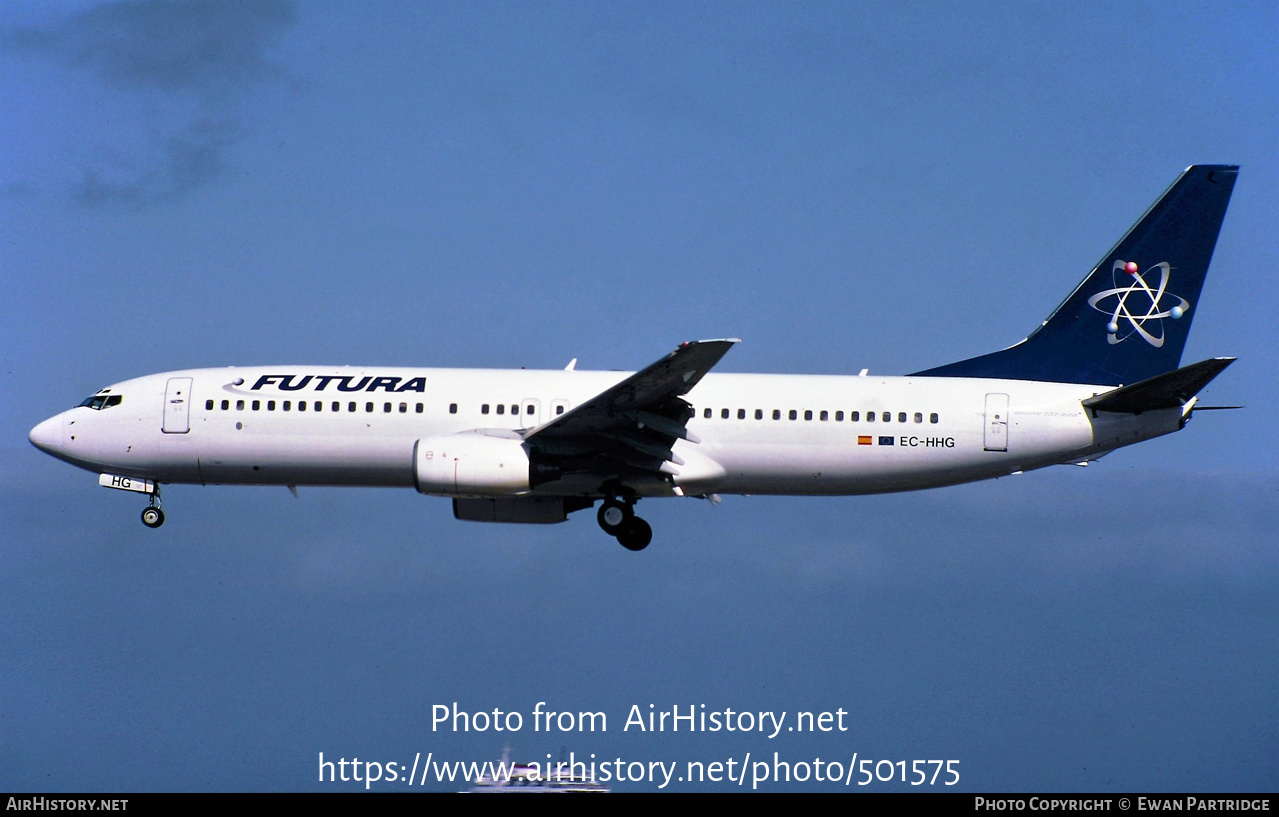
(530, 413)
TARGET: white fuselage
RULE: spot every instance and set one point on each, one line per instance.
(759, 433)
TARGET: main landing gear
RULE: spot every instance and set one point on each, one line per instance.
(617, 517)
(152, 516)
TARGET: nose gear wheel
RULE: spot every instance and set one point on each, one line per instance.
(152, 516)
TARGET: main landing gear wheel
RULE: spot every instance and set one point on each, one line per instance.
(617, 517)
(614, 515)
(635, 534)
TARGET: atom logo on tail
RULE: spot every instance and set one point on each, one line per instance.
(1138, 304)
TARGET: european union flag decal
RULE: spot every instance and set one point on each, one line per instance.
(885, 440)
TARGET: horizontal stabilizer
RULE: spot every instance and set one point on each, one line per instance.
(1168, 390)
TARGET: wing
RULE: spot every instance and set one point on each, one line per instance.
(632, 426)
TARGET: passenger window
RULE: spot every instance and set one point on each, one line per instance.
(870, 416)
(824, 416)
(854, 416)
(741, 414)
(351, 406)
(484, 409)
(793, 414)
(932, 418)
(386, 408)
(529, 409)
(888, 417)
(777, 414)
(270, 405)
(419, 408)
(226, 404)
(501, 408)
(337, 406)
(723, 413)
(559, 410)
(301, 405)
(208, 405)
(901, 416)
(453, 408)
(707, 414)
(319, 406)
(368, 407)
(287, 405)
(515, 408)
(919, 417)
(404, 408)
(808, 414)
(257, 404)
(759, 414)
(839, 416)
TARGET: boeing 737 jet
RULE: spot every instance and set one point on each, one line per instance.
(1100, 373)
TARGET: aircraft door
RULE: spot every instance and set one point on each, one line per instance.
(996, 422)
(177, 406)
(530, 413)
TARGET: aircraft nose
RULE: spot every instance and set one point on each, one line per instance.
(48, 435)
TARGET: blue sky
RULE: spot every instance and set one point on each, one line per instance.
(891, 186)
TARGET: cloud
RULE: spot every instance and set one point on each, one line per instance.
(184, 162)
(183, 69)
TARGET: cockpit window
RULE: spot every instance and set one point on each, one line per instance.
(103, 401)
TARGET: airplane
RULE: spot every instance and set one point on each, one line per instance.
(524, 446)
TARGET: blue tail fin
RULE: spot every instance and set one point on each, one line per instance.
(1129, 319)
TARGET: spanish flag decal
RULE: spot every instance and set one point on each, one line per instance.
(866, 440)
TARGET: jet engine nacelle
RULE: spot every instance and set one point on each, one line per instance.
(471, 464)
